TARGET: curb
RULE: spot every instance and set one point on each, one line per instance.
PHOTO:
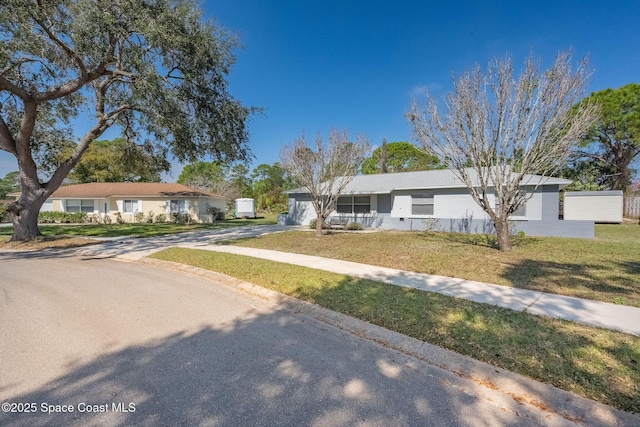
(562, 405)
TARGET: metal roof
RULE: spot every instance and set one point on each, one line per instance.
(420, 180)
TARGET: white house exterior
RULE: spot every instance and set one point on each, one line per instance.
(439, 200)
(129, 198)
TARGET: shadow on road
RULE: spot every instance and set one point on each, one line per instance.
(219, 377)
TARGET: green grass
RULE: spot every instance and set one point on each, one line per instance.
(138, 230)
(606, 268)
(599, 364)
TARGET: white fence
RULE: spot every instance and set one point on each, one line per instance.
(632, 207)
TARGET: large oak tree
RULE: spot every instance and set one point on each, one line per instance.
(153, 68)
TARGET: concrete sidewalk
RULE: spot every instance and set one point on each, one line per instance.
(594, 313)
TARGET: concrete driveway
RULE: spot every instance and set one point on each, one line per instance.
(94, 341)
(134, 248)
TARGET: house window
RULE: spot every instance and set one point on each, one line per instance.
(521, 211)
(344, 205)
(179, 206)
(361, 204)
(130, 206)
(78, 205)
(422, 204)
(354, 205)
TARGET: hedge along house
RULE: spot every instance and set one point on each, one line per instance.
(128, 198)
(439, 200)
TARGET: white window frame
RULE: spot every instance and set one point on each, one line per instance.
(356, 205)
(79, 205)
(133, 206)
(521, 212)
(182, 206)
(422, 202)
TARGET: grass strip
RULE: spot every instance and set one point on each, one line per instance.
(138, 229)
(599, 364)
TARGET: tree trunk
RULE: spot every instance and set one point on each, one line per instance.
(25, 221)
(502, 233)
(319, 223)
(23, 213)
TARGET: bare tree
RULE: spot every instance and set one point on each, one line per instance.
(325, 170)
(498, 129)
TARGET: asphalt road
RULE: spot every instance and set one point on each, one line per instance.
(92, 341)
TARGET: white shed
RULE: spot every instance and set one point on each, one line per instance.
(245, 208)
(598, 206)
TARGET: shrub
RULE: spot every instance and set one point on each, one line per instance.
(62, 217)
(312, 224)
(150, 217)
(181, 218)
(119, 218)
(3, 213)
(431, 225)
(354, 226)
(161, 218)
(217, 214)
(138, 217)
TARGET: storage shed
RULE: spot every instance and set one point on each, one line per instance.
(598, 206)
(245, 208)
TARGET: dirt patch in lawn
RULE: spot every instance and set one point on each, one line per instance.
(47, 242)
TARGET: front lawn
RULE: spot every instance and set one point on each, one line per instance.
(596, 363)
(606, 268)
(138, 229)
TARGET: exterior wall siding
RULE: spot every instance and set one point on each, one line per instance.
(458, 203)
(454, 211)
(157, 205)
(301, 210)
(550, 203)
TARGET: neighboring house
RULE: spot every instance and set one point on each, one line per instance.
(437, 199)
(128, 198)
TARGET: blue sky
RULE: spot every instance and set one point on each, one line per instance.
(357, 65)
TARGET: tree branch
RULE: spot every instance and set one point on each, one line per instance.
(70, 52)
(63, 170)
(16, 90)
(7, 143)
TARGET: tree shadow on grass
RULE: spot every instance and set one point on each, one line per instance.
(553, 351)
(573, 279)
(486, 240)
(631, 268)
